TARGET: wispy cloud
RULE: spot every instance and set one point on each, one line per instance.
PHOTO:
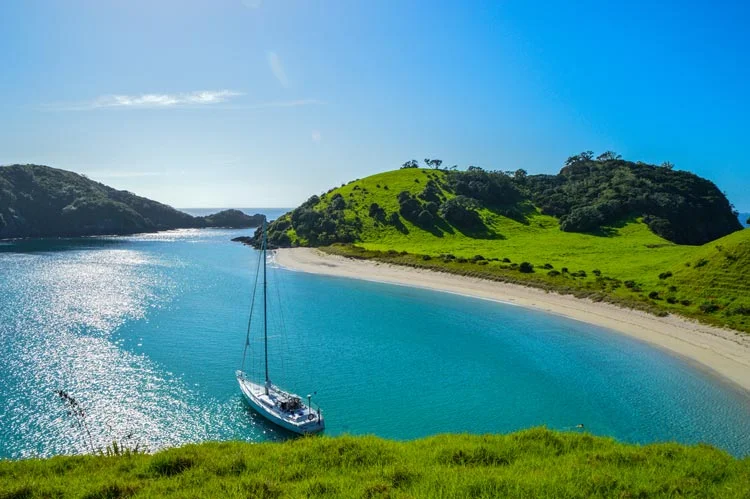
(150, 101)
(316, 136)
(277, 68)
(203, 97)
(172, 101)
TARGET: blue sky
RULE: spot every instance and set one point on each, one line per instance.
(263, 103)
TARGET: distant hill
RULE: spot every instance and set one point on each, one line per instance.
(612, 230)
(39, 201)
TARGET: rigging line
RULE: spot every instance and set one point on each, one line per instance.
(250, 318)
(282, 330)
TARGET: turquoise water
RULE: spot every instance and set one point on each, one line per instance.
(147, 331)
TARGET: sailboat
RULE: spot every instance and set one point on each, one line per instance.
(278, 406)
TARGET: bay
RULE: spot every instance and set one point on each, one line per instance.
(147, 331)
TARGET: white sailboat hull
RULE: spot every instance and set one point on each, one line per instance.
(303, 420)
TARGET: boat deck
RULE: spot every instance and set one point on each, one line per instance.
(302, 419)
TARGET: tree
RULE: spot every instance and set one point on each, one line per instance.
(667, 165)
(425, 218)
(410, 164)
(608, 156)
(520, 174)
(434, 163)
(579, 158)
(461, 212)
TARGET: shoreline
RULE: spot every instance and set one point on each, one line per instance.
(723, 352)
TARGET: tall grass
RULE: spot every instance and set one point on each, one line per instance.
(532, 463)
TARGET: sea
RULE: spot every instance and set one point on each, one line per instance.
(145, 334)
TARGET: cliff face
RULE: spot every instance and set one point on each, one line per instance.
(39, 201)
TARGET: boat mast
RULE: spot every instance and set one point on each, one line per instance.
(265, 305)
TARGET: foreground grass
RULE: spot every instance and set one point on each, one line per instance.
(627, 265)
(532, 463)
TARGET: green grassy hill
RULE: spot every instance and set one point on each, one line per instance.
(534, 463)
(624, 262)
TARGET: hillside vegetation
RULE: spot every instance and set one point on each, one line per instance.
(535, 463)
(605, 229)
(39, 201)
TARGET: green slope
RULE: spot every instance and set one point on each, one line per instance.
(534, 463)
(622, 262)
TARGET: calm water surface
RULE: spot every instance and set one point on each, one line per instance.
(147, 331)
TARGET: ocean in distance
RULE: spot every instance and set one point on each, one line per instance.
(147, 331)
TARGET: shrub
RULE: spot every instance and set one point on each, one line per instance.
(709, 307)
(506, 260)
(741, 310)
(629, 284)
(596, 272)
(654, 295)
(479, 257)
(672, 289)
(482, 262)
(548, 266)
(553, 273)
(701, 263)
(665, 275)
(377, 212)
(672, 300)
(426, 257)
(526, 268)
(564, 270)
(686, 303)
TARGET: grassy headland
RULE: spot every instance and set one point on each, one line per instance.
(533, 463)
(615, 235)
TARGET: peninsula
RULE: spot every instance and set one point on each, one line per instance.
(646, 250)
(39, 201)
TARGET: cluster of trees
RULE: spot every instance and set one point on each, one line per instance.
(429, 163)
(591, 192)
(319, 227)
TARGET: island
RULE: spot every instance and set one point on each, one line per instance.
(40, 201)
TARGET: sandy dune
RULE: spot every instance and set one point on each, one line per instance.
(725, 352)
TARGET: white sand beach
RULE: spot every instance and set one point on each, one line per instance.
(723, 351)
